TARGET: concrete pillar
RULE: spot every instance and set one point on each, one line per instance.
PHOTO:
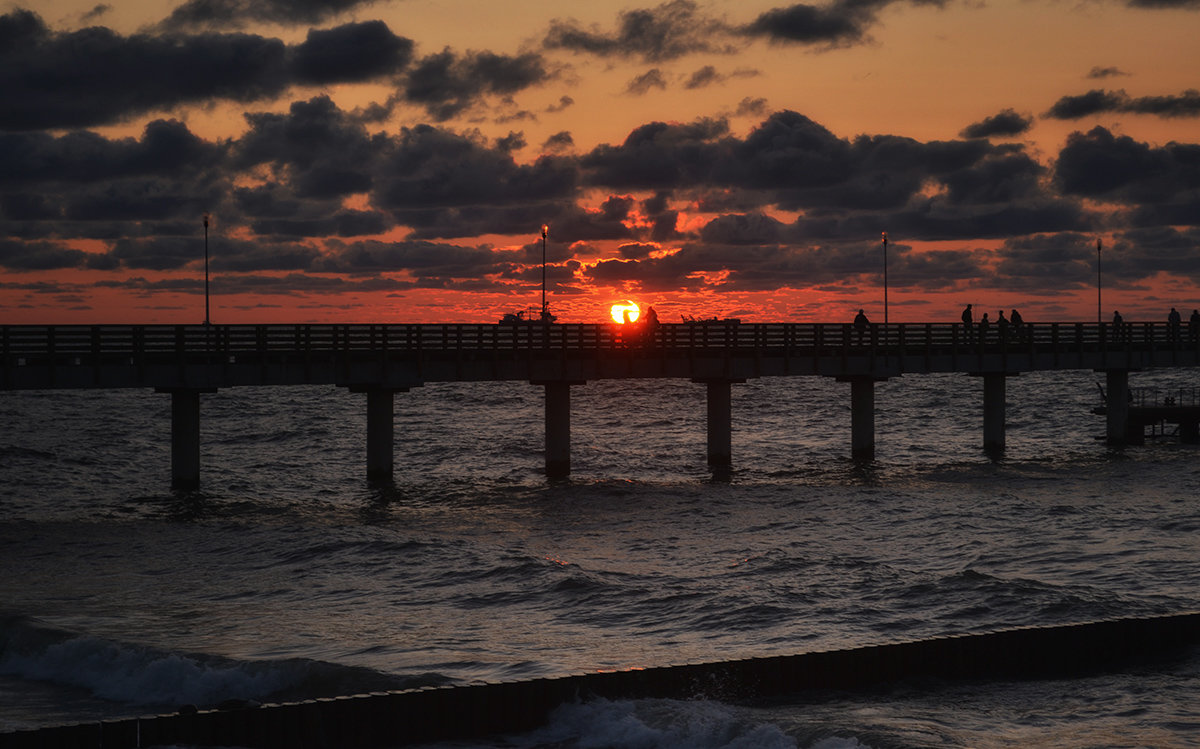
(862, 418)
(720, 423)
(380, 433)
(1116, 406)
(185, 439)
(994, 405)
(558, 428)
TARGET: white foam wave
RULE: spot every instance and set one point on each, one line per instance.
(131, 674)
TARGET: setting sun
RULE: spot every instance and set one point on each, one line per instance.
(621, 309)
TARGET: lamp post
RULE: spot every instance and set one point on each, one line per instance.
(885, 301)
(545, 229)
(206, 320)
(1099, 280)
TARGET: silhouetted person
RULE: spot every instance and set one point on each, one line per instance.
(861, 323)
(966, 318)
(1118, 323)
(1194, 326)
(984, 324)
(651, 325)
(1173, 324)
(1002, 326)
(1017, 323)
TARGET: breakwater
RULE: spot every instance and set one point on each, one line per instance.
(393, 719)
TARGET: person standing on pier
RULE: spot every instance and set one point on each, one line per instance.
(1194, 326)
(861, 323)
(1017, 322)
(1173, 324)
(1118, 322)
(966, 318)
(1002, 326)
(984, 324)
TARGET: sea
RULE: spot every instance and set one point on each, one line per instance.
(289, 576)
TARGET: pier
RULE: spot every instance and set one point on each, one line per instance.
(381, 360)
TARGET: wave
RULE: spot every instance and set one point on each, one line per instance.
(660, 724)
(147, 677)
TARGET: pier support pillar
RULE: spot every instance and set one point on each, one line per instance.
(1116, 406)
(558, 427)
(862, 418)
(185, 436)
(719, 398)
(381, 440)
(994, 405)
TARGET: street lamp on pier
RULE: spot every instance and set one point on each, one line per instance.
(545, 312)
(1099, 284)
(206, 318)
(885, 300)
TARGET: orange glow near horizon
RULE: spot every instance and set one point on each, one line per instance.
(621, 309)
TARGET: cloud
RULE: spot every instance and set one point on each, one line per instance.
(1006, 123)
(560, 141)
(238, 13)
(669, 31)
(101, 77)
(38, 256)
(703, 77)
(837, 24)
(351, 53)
(447, 84)
(841, 23)
(645, 82)
(1165, 4)
(1106, 72)
(1099, 164)
(1096, 101)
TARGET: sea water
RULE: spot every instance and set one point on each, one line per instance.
(289, 576)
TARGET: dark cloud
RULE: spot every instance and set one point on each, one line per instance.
(839, 23)
(237, 13)
(636, 250)
(447, 84)
(1165, 4)
(165, 148)
(344, 223)
(350, 53)
(646, 82)
(560, 141)
(669, 31)
(425, 167)
(563, 103)
(705, 76)
(38, 256)
(1096, 101)
(421, 259)
(1106, 72)
(751, 107)
(95, 76)
(1006, 123)
(1101, 165)
(511, 142)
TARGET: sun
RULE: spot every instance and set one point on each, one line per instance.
(621, 309)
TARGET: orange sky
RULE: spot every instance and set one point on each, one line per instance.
(789, 136)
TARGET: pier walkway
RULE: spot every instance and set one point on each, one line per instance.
(383, 359)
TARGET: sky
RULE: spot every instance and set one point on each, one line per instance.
(394, 161)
